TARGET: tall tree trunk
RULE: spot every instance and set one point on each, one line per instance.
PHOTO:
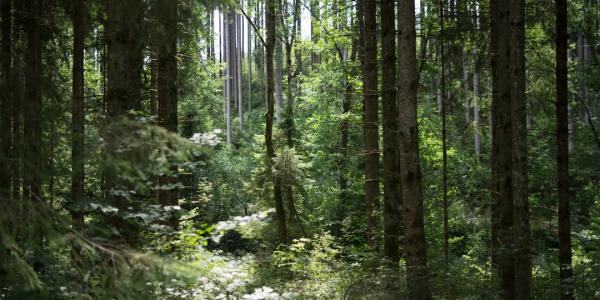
(6, 105)
(417, 274)
(124, 39)
(278, 79)
(443, 114)
(78, 114)
(371, 121)
(250, 79)
(476, 100)
(228, 74)
(502, 198)
(32, 116)
(167, 92)
(562, 152)
(391, 181)
(519, 150)
(239, 35)
(271, 10)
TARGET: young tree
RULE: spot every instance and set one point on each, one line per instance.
(371, 119)
(562, 152)
(417, 274)
(391, 183)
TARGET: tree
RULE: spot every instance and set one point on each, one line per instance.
(391, 197)
(562, 152)
(78, 113)
(5, 102)
(371, 119)
(443, 99)
(417, 274)
(519, 150)
(124, 52)
(167, 90)
(271, 9)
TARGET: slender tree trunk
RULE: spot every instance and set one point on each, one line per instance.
(465, 84)
(502, 198)
(271, 10)
(315, 10)
(278, 79)
(417, 274)
(78, 114)
(476, 100)
(250, 79)
(391, 180)
(239, 35)
(443, 114)
(228, 74)
(371, 120)
(167, 92)
(562, 152)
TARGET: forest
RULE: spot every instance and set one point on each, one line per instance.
(299, 149)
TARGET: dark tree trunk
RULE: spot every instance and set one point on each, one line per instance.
(443, 108)
(371, 120)
(502, 198)
(77, 114)
(167, 91)
(391, 180)
(32, 112)
(417, 274)
(6, 105)
(124, 39)
(562, 152)
(518, 80)
(271, 9)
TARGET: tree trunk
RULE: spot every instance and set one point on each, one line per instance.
(562, 152)
(167, 92)
(271, 10)
(250, 79)
(417, 274)
(315, 10)
(443, 114)
(6, 105)
(371, 120)
(502, 198)
(519, 150)
(32, 113)
(124, 39)
(78, 115)
(238, 60)
(476, 100)
(228, 74)
(391, 182)
(278, 79)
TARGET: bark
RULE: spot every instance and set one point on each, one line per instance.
(167, 92)
(278, 80)
(476, 100)
(519, 151)
(502, 198)
(78, 114)
(249, 37)
(371, 120)
(271, 9)
(238, 60)
(410, 172)
(6, 104)
(391, 180)
(228, 74)
(562, 152)
(32, 113)
(443, 114)
(124, 39)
